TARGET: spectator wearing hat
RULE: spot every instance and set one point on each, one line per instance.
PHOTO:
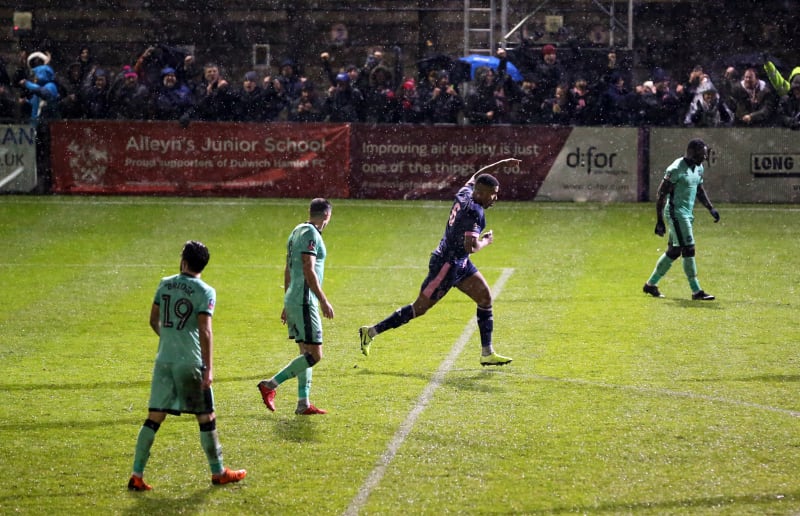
(707, 109)
(129, 100)
(70, 103)
(94, 94)
(172, 100)
(155, 58)
(789, 106)
(380, 98)
(550, 72)
(411, 110)
(327, 68)
(250, 100)
(445, 104)
(44, 95)
(290, 79)
(344, 102)
(275, 99)
(528, 106)
(482, 106)
(617, 105)
(307, 107)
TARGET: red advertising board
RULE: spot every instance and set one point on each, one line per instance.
(427, 162)
(204, 159)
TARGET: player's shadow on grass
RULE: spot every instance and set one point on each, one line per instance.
(461, 379)
(297, 429)
(397, 374)
(154, 503)
(471, 381)
(700, 305)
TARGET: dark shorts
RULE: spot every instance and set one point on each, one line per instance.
(444, 275)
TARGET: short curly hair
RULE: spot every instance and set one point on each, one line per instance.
(196, 255)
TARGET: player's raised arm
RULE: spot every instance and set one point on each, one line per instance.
(494, 166)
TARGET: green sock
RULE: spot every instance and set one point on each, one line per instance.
(210, 442)
(304, 383)
(143, 444)
(662, 266)
(690, 268)
(291, 370)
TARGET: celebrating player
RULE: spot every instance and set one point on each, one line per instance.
(682, 183)
(184, 366)
(450, 265)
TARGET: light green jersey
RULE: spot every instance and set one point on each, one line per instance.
(686, 179)
(181, 298)
(304, 239)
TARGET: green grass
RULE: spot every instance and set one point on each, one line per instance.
(616, 403)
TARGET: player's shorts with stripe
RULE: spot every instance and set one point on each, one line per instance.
(177, 389)
(304, 323)
(680, 231)
(444, 275)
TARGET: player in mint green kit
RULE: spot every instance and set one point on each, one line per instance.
(184, 368)
(682, 184)
(302, 302)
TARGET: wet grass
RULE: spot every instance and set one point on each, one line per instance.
(616, 403)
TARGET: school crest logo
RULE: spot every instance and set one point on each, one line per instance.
(88, 158)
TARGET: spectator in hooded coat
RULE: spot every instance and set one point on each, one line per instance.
(129, 101)
(44, 99)
(707, 109)
(173, 100)
(94, 93)
(789, 106)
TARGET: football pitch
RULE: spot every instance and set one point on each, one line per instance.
(616, 402)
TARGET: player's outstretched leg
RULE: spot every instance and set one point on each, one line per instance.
(366, 340)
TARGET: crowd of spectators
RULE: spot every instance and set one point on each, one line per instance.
(167, 84)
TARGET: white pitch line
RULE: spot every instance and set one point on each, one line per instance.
(402, 433)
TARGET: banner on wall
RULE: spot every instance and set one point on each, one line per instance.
(17, 158)
(598, 164)
(432, 162)
(759, 165)
(203, 159)
(558, 163)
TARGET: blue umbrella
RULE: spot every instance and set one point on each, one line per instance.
(476, 60)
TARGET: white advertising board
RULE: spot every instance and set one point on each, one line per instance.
(17, 158)
(745, 165)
